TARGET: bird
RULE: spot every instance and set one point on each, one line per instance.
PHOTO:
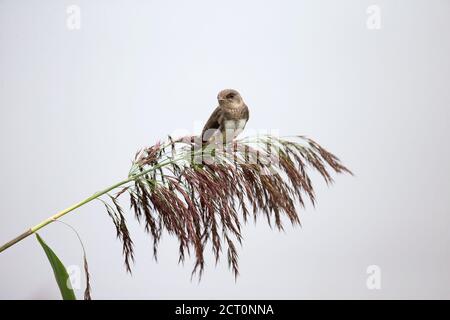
(228, 119)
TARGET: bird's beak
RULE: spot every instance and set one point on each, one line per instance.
(221, 99)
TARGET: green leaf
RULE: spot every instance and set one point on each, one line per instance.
(61, 275)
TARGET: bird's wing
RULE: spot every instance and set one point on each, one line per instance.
(212, 123)
(245, 113)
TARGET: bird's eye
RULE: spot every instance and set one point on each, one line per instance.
(230, 96)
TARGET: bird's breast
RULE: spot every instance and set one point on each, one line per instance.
(234, 113)
(235, 124)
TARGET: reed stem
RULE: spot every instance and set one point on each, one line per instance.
(58, 215)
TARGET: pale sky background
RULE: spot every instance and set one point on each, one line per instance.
(75, 105)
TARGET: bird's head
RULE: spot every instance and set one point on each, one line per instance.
(230, 97)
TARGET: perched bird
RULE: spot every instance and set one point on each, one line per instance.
(229, 118)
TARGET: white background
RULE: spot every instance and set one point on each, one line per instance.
(76, 104)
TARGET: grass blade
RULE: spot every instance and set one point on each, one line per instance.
(61, 275)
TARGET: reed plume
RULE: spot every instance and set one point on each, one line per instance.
(203, 194)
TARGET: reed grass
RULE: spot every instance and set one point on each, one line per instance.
(202, 194)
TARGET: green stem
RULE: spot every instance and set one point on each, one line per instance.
(96, 195)
(79, 204)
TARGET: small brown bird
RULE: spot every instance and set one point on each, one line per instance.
(229, 118)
